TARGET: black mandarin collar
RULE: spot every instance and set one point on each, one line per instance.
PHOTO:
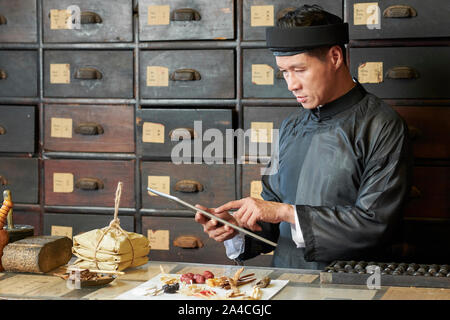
(342, 103)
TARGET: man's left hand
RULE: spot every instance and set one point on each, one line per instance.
(251, 210)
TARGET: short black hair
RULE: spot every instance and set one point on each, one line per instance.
(311, 15)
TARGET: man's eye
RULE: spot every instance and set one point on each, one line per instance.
(299, 70)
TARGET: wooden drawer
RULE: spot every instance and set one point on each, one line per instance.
(17, 129)
(262, 78)
(256, 119)
(156, 127)
(186, 20)
(18, 73)
(93, 128)
(18, 22)
(88, 74)
(162, 231)
(187, 74)
(405, 72)
(216, 182)
(88, 182)
(20, 175)
(429, 130)
(251, 180)
(396, 19)
(99, 21)
(429, 197)
(259, 14)
(74, 224)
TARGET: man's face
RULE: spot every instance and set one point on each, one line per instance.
(308, 78)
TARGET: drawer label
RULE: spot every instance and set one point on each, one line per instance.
(62, 182)
(159, 183)
(60, 19)
(157, 76)
(366, 14)
(61, 128)
(370, 72)
(262, 16)
(256, 189)
(158, 15)
(62, 231)
(153, 132)
(60, 73)
(262, 74)
(261, 132)
(159, 239)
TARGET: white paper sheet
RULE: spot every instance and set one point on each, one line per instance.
(143, 291)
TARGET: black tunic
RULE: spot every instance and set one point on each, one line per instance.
(347, 167)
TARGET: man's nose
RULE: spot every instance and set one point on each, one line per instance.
(293, 83)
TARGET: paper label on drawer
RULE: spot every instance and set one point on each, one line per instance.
(60, 73)
(60, 19)
(159, 183)
(62, 231)
(157, 76)
(261, 132)
(256, 189)
(159, 239)
(153, 132)
(366, 14)
(158, 15)
(61, 128)
(262, 16)
(262, 74)
(62, 182)
(370, 72)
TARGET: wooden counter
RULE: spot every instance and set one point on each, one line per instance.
(302, 285)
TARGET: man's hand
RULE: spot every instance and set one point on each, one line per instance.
(251, 210)
(213, 228)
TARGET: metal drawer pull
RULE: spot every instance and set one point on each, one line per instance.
(89, 129)
(399, 11)
(185, 75)
(2, 131)
(414, 193)
(414, 133)
(88, 74)
(188, 186)
(89, 184)
(3, 75)
(90, 18)
(183, 134)
(3, 20)
(402, 73)
(188, 242)
(186, 14)
(3, 181)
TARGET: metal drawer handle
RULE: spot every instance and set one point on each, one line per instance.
(185, 75)
(188, 186)
(399, 11)
(88, 74)
(402, 73)
(414, 193)
(414, 133)
(3, 181)
(3, 75)
(186, 14)
(3, 20)
(282, 12)
(89, 184)
(89, 129)
(90, 18)
(2, 131)
(182, 134)
(188, 242)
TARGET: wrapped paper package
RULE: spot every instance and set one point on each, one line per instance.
(110, 248)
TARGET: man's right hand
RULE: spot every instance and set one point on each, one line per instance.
(214, 228)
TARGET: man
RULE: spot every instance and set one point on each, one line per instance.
(344, 162)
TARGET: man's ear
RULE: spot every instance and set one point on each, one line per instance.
(337, 56)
